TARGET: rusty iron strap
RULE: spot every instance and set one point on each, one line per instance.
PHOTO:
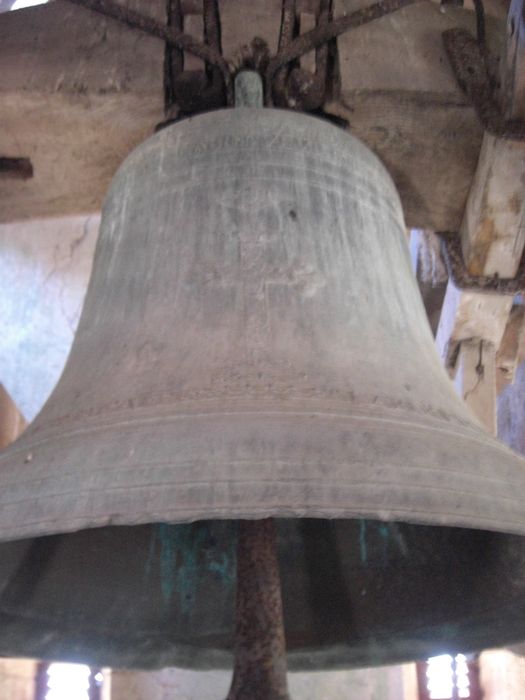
(306, 90)
(467, 59)
(458, 273)
(169, 34)
(286, 36)
(326, 32)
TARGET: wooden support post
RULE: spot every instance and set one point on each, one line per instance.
(493, 228)
(12, 422)
(80, 91)
(470, 332)
(508, 356)
(476, 380)
(512, 95)
(260, 650)
(466, 315)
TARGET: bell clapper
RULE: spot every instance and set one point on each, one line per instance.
(260, 650)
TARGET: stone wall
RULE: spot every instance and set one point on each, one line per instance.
(502, 675)
(385, 683)
(44, 271)
(17, 679)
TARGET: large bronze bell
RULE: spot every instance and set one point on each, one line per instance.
(253, 345)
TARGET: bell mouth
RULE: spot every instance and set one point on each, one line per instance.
(355, 593)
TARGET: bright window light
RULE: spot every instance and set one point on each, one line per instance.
(447, 674)
(68, 682)
(20, 4)
(440, 677)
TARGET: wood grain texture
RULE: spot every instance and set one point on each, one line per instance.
(493, 228)
(12, 422)
(79, 92)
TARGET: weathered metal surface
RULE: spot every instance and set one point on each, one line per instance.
(168, 593)
(273, 305)
(242, 354)
(248, 89)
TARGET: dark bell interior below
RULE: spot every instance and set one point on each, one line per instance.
(355, 593)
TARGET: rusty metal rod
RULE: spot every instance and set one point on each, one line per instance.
(458, 273)
(260, 649)
(169, 34)
(286, 35)
(326, 32)
(468, 63)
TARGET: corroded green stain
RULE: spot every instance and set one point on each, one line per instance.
(188, 543)
(148, 568)
(384, 531)
(362, 542)
(168, 559)
(378, 535)
(189, 557)
(225, 566)
(162, 550)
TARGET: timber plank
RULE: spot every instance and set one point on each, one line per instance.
(78, 92)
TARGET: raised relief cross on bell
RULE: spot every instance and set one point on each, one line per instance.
(253, 346)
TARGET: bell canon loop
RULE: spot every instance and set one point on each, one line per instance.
(253, 345)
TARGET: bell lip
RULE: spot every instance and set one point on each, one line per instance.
(483, 494)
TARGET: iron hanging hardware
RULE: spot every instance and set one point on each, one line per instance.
(170, 34)
(326, 31)
(467, 57)
(293, 86)
(460, 276)
(191, 91)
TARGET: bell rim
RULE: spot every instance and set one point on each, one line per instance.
(496, 507)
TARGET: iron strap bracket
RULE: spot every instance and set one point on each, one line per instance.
(324, 33)
(192, 91)
(458, 273)
(467, 58)
(306, 90)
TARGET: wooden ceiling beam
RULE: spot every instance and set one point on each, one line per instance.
(79, 91)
